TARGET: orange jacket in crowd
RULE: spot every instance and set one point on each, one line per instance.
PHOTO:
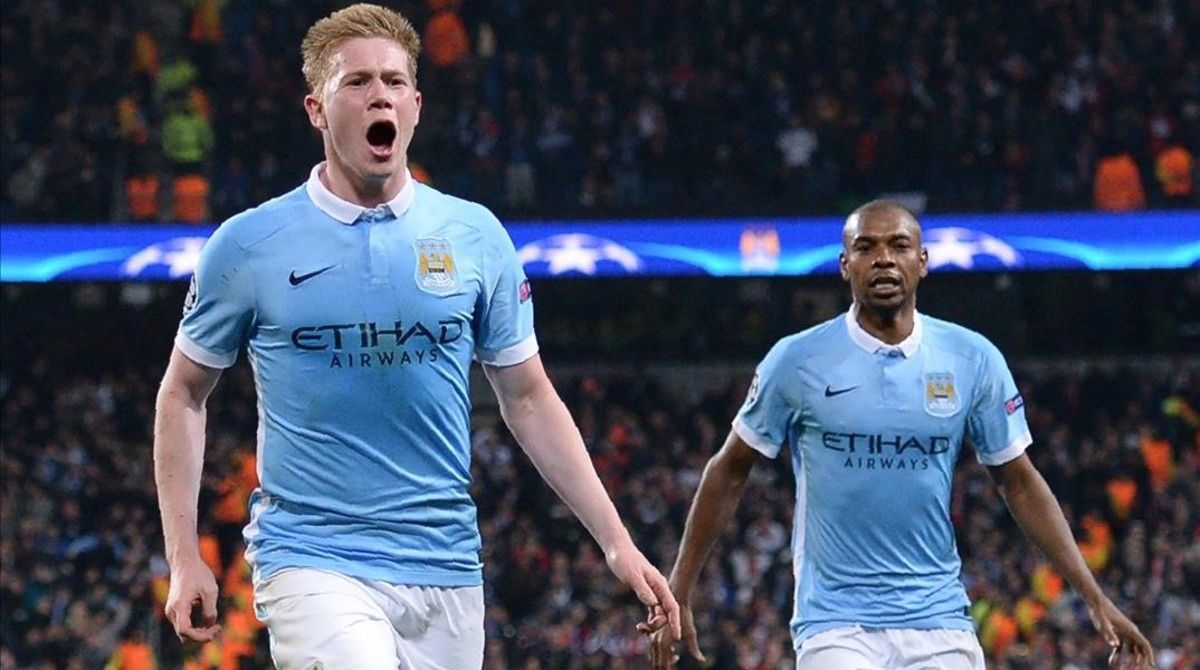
(132, 655)
(206, 22)
(235, 489)
(189, 199)
(144, 55)
(1047, 584)
(141, 197)
(1159, 461)
(999, 630)
(1118, 184)
(1122, 491)
(1097, 545)
(445, 40)
(1174, 167)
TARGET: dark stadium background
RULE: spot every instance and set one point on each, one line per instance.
(652, 369)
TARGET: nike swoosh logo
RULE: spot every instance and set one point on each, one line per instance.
(296, 280)
(829, 393)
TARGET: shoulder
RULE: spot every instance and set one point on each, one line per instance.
(248, 229)
(960, 340)
(435, 203)
(815, 342)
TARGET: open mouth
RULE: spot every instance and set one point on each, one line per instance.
(885, 284)
(381, 135)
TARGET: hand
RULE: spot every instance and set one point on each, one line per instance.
(662, 647)
(631, 567)
(191, 583)
(1131, 649)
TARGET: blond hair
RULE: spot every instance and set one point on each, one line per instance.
(361, 20)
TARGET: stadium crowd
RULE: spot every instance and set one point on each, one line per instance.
(83, 580)
(191, 111)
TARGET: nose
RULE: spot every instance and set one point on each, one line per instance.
(378, 95)
(884, 258)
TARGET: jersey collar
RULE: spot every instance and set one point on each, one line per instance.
(348, 212)
(874, 345)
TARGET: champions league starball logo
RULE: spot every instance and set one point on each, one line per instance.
(968, 249)
(577, 253)
(175, 258)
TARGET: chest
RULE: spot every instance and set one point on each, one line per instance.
(924, 400)
(369, 285)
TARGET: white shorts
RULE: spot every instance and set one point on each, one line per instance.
(858, 648)
(324, 620)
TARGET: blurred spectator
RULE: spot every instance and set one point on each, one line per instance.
(141, 196)
(1175, 168)
(83, 580)
(1118, 184)
(445, 42)
(187, 137)
(797, 144)
(673, 108)
(205, 34)
(189, 198)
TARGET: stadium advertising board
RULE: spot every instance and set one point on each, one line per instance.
(666, 247)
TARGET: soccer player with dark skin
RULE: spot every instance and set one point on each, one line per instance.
(884, 261)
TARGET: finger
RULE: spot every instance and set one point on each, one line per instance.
(204, 634)
(654, 652)
(1145, 652)
(197, 633)
(654, 623)
(1109, 634)
(208, 606)
(642, 590)
(693, 644)
(178, 621)
(668, 603)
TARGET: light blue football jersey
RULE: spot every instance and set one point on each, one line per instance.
(875, 430)
(361, 326)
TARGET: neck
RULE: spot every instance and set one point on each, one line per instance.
(366, 192)
(891, 326)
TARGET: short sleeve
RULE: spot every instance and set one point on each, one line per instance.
(219, 308)
(504, 330)
(764, 418)
(996, 425)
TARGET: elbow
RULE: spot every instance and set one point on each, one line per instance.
(725, 472)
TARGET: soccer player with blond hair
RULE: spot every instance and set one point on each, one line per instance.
(362, 298)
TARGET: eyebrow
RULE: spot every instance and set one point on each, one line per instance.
(385, 74)
(863, 237)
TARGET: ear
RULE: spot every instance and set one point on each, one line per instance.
(845, 270)
(316, 112)
(417, 98)
(924, 262)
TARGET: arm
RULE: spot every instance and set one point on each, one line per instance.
(543, 427)
(1038, 513)
(179, 418)
(717, 498)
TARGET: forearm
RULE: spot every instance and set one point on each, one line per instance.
(544, 428)
(178, 460)
(717, 498)
(1041, 518)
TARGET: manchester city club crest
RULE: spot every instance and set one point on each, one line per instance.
(941, 398)
(436, 272)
